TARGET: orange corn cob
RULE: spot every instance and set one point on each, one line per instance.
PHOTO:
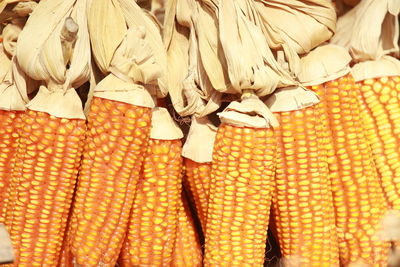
(302, 202)
(42, 184)
(116, 140)
(197, 181)
(357, 196)
(10, 122)
(187, 248)
(153, 223)
(380, 110)
(240, 196)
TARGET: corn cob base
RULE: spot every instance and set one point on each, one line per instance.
(302, 201)
(357, 195)
(43, 180)
(187, 249)
(10, 122)
(380, 110)
(197, 181)
(116, 141)
(240, 196)
(153, 222)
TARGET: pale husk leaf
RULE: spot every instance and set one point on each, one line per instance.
(40, 53)
(13, 95)
(6, 249)
(163, 127)
(384, 67)
(301, 25)
(245, 49)
(390, 226)
(200, 140)
(59, 103)
(250, 112)
(325, 63)
(136, 18)
(291, 98)
(138, 57)
(370, 30)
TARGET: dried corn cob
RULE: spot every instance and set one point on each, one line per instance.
(358, 199)
(154, 217)
(10, 122)
(302, 201)
(240, 196)
(380, 111)
(116, 141)
(197, 181)
(187, 248)
(42, 185)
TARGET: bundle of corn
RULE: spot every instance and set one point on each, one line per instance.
(12, 106)
(154, 217)
(192, 94)
(53, 47)
(118, 128)
(187, 248)
(377, 77)
(357, 196)
(302, 201)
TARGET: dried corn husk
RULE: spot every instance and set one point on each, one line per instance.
(163, 127)
(44, 50)
(22, 8)
(13, 88)
(132, 54)
(384, 67)
(296, 26)
(370, 30)
(324, 63)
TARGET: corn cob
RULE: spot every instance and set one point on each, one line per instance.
(10, 122)
(153, 223)
(380, 111)
(197, 181)
(240, 196)
(358, 199)
(187, 248)
(116, 140)
(302, 201)
(42, 185)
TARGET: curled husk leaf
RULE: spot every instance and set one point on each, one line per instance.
(200, 140)
(325, 63)
(43, 53)
(13, 91)
(370, 30)
(7, 254)
(249, 112)
(384, 67)
(163, 127)
(132, 55)
(291, 98)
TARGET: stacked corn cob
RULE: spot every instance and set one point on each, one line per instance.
(51, 139)
(357, 196)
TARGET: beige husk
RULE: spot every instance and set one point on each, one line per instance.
(370, 30)
(200, 140)
(6, 250)
(55, 35)
(21, 8)
(291, 98)
(223, 47)
(132, 54)
(163, 127)
(325, 63)
(390, 226)
(12, 94)
(383, 67)
(296, 26)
